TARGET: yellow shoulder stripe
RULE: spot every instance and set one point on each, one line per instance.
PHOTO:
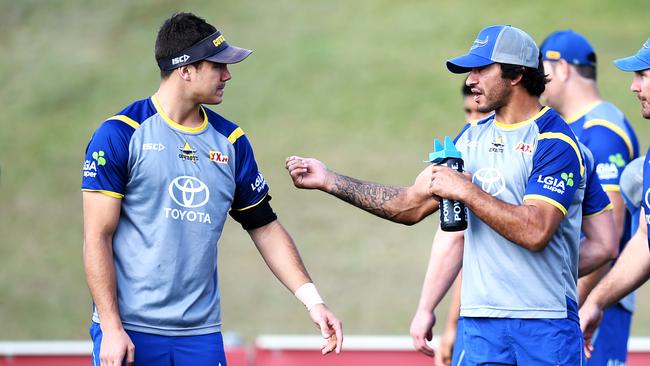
(126, 120)
(547, 200)
(617, 130)
(108, 193)
(251, 206)
(237, 133)
(609, 207)
(611, 188)
(568, 140)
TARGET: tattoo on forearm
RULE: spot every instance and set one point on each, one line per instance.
(371, 197)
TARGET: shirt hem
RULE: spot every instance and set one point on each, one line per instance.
(190, 331)
(513, 313)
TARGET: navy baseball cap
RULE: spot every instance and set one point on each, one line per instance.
(212, 48)
(638, 62)
(498, 43)
(570, 46)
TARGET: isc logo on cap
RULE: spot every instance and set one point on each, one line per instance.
(179, 59)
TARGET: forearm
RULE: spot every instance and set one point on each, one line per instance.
(631, 270)
(523, 225)
(281, 255)
(454, 305)
(398, 204)
(100, 275)
(618, 213)
(587, 282)
(444, 265)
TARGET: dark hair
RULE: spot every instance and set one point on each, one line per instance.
(179, 32)
(586, 71)
(533, 80)
(466, 89)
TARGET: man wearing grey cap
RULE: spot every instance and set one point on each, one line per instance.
(632, 269)
(520, 255)
(159, 180)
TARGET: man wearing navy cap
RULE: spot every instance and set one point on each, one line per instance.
(520, 256)
(632, 269)
(159, 180)
(570, 62)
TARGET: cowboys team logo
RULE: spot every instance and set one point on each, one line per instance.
(490, 180)
(187, 153)
(188, 192)
(497, 145)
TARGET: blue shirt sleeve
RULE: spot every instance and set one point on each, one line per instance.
(106, 163)
(251, 186)
(595, 200)
(555, 175)
(611, 154)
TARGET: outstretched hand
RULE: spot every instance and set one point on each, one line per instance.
(307, 173)
(330, 327)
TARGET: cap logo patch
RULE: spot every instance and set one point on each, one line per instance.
(179, 59)
(553, 55)
(219, 40)
(480, 43)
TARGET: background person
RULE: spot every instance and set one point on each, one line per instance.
(632, 269)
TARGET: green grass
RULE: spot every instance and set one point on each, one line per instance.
(361, 85)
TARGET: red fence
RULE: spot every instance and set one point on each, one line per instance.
(270, 351)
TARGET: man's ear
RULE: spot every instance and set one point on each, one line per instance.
(184, 72)
(563, 70)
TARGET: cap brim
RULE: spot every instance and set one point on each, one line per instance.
(230, 55)
(466, 63)
(632, 63)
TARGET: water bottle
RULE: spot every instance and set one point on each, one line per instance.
(453, 214)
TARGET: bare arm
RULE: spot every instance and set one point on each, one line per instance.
(101, 214)
(444, 264)
(619, 212)
(281, 255)
(600, 245)
(530, 225)
(631, 270)
(587, 282)
(406, 205)
(448, 338)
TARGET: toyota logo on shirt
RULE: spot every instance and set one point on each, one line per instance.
(189, 192)
(490, 180)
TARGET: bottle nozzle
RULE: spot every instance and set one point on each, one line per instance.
(441, 152)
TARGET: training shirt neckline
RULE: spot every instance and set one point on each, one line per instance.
(582, 112)
(516, 125)
(175, 125)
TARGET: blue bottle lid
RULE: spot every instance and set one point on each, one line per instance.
(440, 152)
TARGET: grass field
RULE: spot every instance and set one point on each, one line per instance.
(360, 84)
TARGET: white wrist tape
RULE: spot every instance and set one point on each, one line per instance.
(308, 295)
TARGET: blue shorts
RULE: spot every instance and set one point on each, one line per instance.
(157, 350)
(610, 340)
(458, 353)
(530, 342)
